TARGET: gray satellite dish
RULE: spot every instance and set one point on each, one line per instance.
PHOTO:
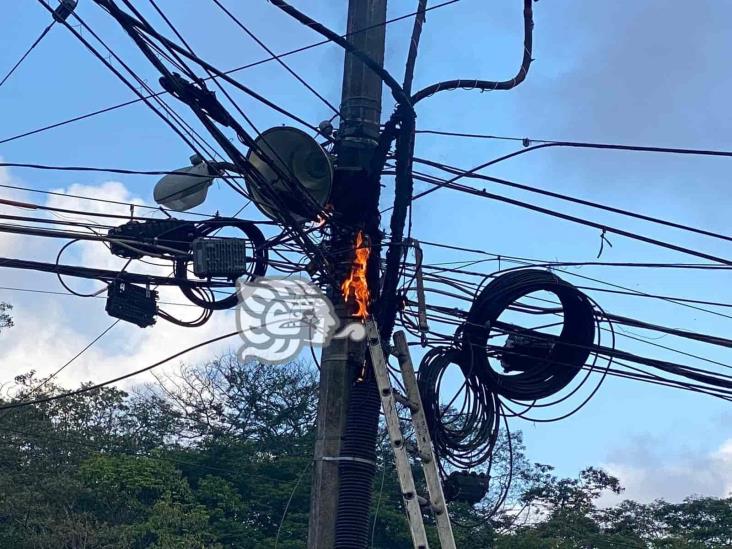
(297, 154)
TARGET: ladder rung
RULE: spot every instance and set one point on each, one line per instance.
(404, 401)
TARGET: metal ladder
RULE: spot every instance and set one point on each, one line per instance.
(413, 402)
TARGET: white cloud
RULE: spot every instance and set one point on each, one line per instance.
(51, 329)
(650, 470)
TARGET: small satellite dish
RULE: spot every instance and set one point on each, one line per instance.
(298, 155)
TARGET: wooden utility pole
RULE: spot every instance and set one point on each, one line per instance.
(355, 205)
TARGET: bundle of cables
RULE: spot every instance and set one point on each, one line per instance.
(463, 437)
(536, 366)
(550, 367)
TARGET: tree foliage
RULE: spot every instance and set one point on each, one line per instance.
(219, 456)
(5, 319)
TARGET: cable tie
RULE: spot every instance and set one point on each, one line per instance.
(347, 458)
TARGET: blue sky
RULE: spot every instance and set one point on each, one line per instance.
(648, 73)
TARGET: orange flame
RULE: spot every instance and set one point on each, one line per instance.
(356, 284)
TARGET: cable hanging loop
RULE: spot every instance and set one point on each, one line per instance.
(603, 241)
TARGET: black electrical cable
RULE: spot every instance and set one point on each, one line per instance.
(207, 108)
(529, 262)
(68, 363)
(100, 200)
(105, 275)
(404, 117)
(67, 294)
(397, 91)
(289, 178)
(574, 219)
(27, 52)
(275, 57)
(403, 187)
(607, 318)
(95, 169)
(544, 143)
(258, 262)
(133, 25)
(186, 128)
(530, 188)
(97, 386)
(119, 75)
(486, 85)
(543, 379)
(711, 379)
(250, 65)
(464, 438)
(419, 20)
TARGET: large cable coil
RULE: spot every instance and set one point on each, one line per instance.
(553, 361)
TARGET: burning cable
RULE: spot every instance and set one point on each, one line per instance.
(356, 285)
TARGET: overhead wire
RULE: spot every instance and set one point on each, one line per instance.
(490, 85)
(119, 75)
(574, 219)
(68, 363)
(33, 46)
(557, 266)
(97, 386)
(100, 200)
(237, 69)
(544, 143)
(533, 189)
(191, 95)
(276, 57)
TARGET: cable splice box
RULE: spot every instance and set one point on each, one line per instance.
(219, 257)
(136, 239)
(131, 303)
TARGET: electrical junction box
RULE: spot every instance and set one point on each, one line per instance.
(219, 257)
(132, 303)
(525, 351)
(146, 235)
(464, 486)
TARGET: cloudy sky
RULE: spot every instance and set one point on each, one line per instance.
(645, 73)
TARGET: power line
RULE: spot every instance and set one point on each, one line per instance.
(682, 301)
(30, 49)
(666, 366)
(102, 200)
(471, 174)
(67, 294)
(276, 57)
(544, 143)
(117, 73)
(90, 388)
(231, 71)
(439, 183)
(77, 355)
(94, 169)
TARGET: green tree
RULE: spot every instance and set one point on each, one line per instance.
(5, 319)
(219, 456)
